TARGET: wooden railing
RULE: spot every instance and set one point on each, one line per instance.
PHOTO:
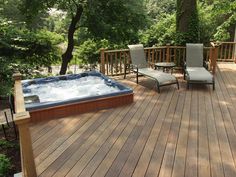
(22, 120)
(227, 52)
(113, 62)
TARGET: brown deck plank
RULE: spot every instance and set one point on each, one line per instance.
(191, 168)
(66, 133)
(176, 133)
(137, 150)
(99, 157)
(203, 146)
(41, 128)
(181, 149)
(158, 153)
(169, 156)
(214, 149)
(107, 162)
(135, 118)
(221, 126)
(123, 116)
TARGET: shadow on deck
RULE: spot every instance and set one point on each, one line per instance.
(176, 133)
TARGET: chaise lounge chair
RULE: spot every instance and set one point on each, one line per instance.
(140, 66)
(195, 72)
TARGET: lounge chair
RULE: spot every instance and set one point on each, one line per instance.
(140, 66)
(195, 72)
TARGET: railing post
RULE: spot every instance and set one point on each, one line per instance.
(167, 52)
(215, 58)
(22, 120)
(234, 45)
(102, 58)
(215, 48)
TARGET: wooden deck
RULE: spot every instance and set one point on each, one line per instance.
(176, 133)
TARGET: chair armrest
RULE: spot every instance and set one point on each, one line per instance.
(137, 66)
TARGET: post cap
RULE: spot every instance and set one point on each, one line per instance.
(17, 76)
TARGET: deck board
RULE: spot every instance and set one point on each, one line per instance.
(178, 133)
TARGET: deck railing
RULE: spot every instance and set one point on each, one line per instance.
(113, 62)
(227, 52)
(22, 120)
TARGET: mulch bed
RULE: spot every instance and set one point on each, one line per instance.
(10, 147)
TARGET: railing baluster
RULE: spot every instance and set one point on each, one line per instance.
(116, 63)
(121, 53)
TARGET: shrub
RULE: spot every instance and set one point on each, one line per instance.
(161, 33)
(89, 51)
(5, 165)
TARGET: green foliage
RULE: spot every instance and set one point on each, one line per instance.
(157, 10)
(161, 33)
(89, 51)
(224, 15)
(207, 24)
(5, 165)
(8, 68)
(115, 20)
(34, 48)
(23, 50)
(9, 9)
(4, 144)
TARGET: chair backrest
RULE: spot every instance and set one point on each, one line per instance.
(137, 55)
(194, 55)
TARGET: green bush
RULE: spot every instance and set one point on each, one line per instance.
(37, 48)
(5, 165)
(89, 51)
(161, 33)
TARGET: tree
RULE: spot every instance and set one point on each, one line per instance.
(103, 18)
(224, 14)
(187, 23)
(157, 9)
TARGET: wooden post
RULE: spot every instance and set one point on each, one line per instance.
(102, 58)
(214, 58)
(167, 52)
(211, 55)
(22, 120)
(234, 46)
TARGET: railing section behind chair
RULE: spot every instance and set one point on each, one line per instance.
(22, 120)
(113, 62)
(227, 52)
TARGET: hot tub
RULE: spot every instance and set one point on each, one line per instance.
(60, 96)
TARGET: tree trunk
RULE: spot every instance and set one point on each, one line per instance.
(187, 27)
(67, 56)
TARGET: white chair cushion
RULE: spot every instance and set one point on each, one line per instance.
(199, 74)
(161, 77)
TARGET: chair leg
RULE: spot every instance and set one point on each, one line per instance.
(137, 77)
(4, 132)
(8, 124)
(158, 89)
(177, 84)
(15, 131)
(5, 113)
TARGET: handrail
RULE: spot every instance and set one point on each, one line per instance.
(226, 51)
(22, 120)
